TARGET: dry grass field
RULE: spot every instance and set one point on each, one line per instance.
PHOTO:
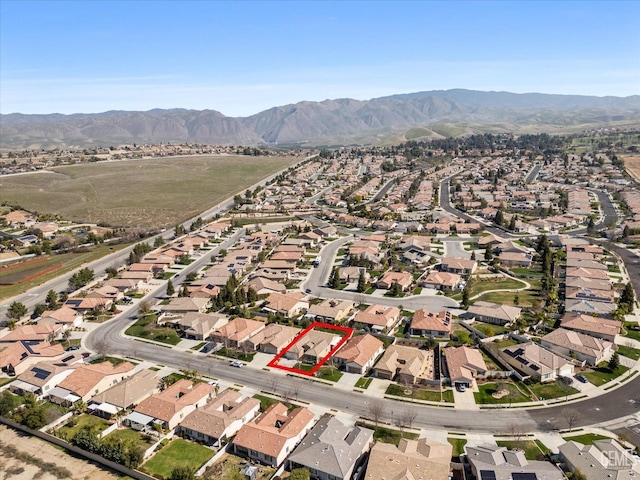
(138, 193)
(632, 164)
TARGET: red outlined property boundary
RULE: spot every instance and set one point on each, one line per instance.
(274, 363)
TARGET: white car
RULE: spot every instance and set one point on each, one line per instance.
(236, 363)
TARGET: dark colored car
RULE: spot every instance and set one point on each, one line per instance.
(582, 379)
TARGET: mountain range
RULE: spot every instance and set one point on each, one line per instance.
(330, 122)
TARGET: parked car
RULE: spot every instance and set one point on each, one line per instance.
(236, 363)
(567, 380)
(461, 387)
(582, 379)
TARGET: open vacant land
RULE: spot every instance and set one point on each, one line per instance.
(143, 193)
(632, 164)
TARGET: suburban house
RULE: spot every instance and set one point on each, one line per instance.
(16, 357)
(490, 462)
(182, 305)
(87, 304)
(603, 459)
(429, 324)
(272, 339)
(264, 285)
(582, 293)
(42, 378)
(64, 316)
(441, 280)
(203, 290)
(575, 344)
(378, 317)
(198, 326)
(171, 406)
(237, 332)
(33, 333)
(359, 354)
(313, 346)
(464, 365)
(537, 362)
(461, 266)
(596, 327)
(403, 279)
(601, 309)
(330, 310)
(125, 394)
(220, 419)
(125, 285)
(271, 437)
(352, 274)
(495, 313)
(88, 380)
(403, 364)
(331, 450)
(290, 304)
(515, 259)
(409, 460)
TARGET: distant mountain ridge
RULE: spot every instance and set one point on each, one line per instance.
(315, 122)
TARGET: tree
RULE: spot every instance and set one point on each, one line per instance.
(81, 278)
(614, 362)
(182, 472)
(52, 300)
(6, 402)
(299, 474)
(466, 294)
(408, 416)
(591, 226)
(376, 410)
(512, 223)
(38, 310)
(16, 311)
(144, 308)
(170, 288)
(571, 416)
(101, 347)
(627, 298)
(362, 284)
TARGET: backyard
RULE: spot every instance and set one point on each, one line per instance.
(177, 453)
(131, 437)
(75, 424)
(229, 466)
(146, 327)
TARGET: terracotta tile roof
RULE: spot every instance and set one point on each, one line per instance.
(359, 350)
(166, 404)
(31, 332)
(86, 377)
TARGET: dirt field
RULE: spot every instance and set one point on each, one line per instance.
(41, 460)
(147, 193)
(632, 164)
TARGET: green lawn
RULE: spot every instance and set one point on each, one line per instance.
(530, 448)
(236, 354)
(199, 346)
(147, 328)
(489, 330)
(265, 402)
(113, 360)
(629, 352)
(131, 437)
(552, 390)
(328, 373)
(4, 381)
(178, 452)
(633, 330)
(388, 435)
(586, 439)
(364, 382)
(508, 342)
(601, 375)
(486, 391)
(95, 424)
(481, 286)
(420, 393)
(458, 445)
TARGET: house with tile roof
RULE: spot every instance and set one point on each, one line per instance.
(378, 317)
(199, 326)
(331, 450)
(603, 460)
(169, 407)
(409, 460)
(461, 266)
(41, 378)
(359, 354)
(125, 394)
(220, 419)
(490, 462)
(237, 332)
(575, 344)
(330, 310)
(272, 339)
(289, 304)
(495, 313)
(33, 333)
(428, 324)
(404, 364)
(537, 362)
(17, 357)
(65, 316)
(89, 380)
(389, 278)
(441, 280)
(464, 365)
(604, 328)
(313, 346)
(271, 437)
(183, 305)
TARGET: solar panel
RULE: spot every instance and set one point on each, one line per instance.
(488, 475)
(66, 359)
(524, 476)
(40, 373)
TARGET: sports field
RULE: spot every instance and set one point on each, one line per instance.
(149, 193)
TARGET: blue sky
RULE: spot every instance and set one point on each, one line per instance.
(243, 57)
